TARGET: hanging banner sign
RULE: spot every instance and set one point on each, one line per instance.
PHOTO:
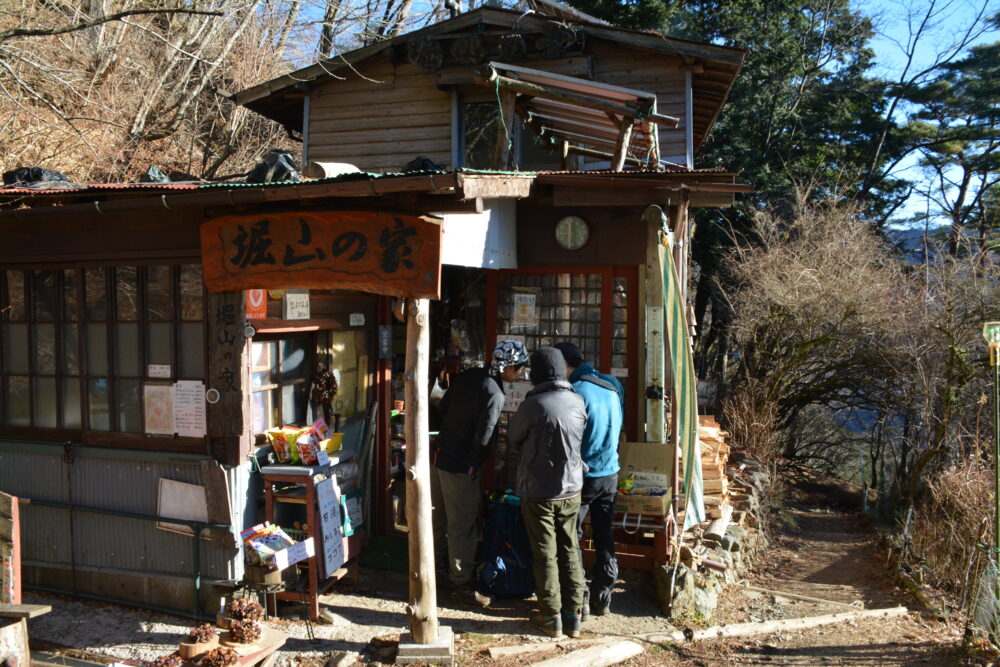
(369, 251)
(256, 304)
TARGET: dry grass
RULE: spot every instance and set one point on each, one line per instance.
(952, 517)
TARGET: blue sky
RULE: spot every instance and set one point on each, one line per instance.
(894, 20)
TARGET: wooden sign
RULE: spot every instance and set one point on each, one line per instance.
(381, 253)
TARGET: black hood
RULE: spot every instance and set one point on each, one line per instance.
(547, 364)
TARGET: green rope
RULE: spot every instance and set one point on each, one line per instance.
(503, 121)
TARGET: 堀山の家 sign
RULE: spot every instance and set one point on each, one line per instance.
(382, 253)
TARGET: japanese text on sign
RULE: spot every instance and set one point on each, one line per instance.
(378, 252)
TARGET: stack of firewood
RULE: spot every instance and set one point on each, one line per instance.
(714, 456)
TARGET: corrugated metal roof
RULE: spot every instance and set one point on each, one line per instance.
(167, 188)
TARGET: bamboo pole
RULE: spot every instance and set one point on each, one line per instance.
(422, 607)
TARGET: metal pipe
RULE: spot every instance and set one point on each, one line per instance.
(196, 529)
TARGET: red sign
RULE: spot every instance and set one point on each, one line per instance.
(381, 253)
(256, 304)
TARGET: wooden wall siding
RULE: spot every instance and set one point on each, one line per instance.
(382, 121)
(158, 235)
(632, 68)
(617, 236)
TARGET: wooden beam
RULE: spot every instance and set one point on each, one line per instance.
(767, 627)
(602, 655)
(422, 607)
(569, 196)
(624, 139)
(24, 610)
(228, 415)
(604, 155)
(488, 76)
(492, 186)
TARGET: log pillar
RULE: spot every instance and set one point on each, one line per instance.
(422, 607)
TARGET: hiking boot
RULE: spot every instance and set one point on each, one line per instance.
(598, 609)
(585, 609)
(466, 594)
(571, 623)
(549, 625)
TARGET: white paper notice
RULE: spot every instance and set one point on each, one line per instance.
(161, 371)
(295, 553)
(328, 497)
(296, 305)
(189, 408)
(158, 406)
(514, 393)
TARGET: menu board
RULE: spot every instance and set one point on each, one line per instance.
(328, 497)
(189, 408)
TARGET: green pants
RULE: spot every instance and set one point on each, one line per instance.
(555, 551)
(455, 498)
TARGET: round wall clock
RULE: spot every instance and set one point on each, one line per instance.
(572, 232)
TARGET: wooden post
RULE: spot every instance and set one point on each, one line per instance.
(624, 140)
(422, 608)
(228, 410)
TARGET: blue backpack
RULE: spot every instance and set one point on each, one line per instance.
(505, 569)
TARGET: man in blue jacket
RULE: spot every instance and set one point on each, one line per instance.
(603, 396)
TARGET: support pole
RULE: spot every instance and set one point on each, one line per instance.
(422, 607)
(996, 456)
(624, 140)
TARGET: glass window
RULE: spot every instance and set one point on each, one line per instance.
(18, 401)
(280, 381)
(97, 294)
(192, 293)
(74, 343)
(127, 349)
(159, 293)
(45, 295)
(15, 348)
(97, 398)
(46, 406)
(126, 293)
(480, 122)
(12, 297)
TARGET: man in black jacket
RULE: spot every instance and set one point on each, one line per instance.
(547, 429)
(470, 410)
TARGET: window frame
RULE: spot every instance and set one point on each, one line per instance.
(84, 375)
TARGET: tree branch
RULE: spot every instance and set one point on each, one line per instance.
(83, 25)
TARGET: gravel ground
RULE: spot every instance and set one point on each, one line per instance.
(373, 609)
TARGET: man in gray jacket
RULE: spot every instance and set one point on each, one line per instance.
(548, 429)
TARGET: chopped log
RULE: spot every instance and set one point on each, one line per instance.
(602, 655)
(498, 652)
(717, 530)
(799, 596)
(714, 565)
(767, 627)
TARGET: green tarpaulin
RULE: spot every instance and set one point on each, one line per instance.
(685, 385)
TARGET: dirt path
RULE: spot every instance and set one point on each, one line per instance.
(830, 556)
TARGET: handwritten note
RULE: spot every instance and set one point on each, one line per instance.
(189, 408)
(296, 305)
(295, 553)
(514, 393)
(331, 525)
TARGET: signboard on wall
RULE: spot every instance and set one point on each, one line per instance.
(331, 526)
(381, 253)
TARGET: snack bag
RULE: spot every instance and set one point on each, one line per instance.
(322, 429)
(626, 484)
(292, 434)
(279, 443)
(307, 445)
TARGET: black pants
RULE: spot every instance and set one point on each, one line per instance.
(598, 498)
